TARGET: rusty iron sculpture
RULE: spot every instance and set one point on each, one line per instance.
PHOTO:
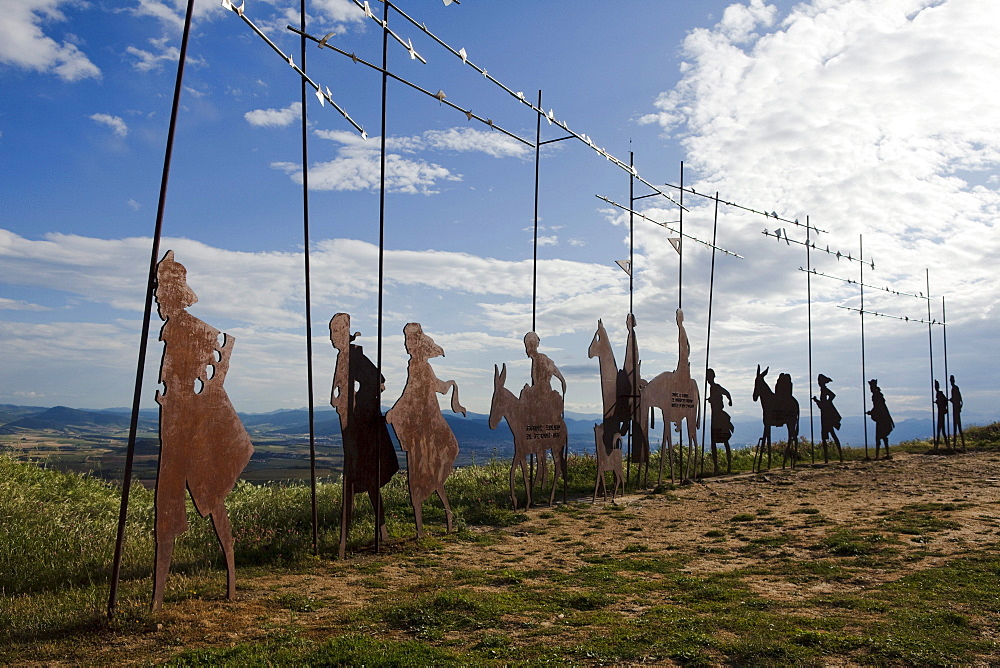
(676, 394)
(203, 445)
(430, 445)
(537, 425)
(956, 414)
(941, 401)
(616, 394)
(369, 457)
(881, 417)
(779, 409)
(722, 424)
(829, 416)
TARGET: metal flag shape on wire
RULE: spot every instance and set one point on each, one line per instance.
(626, 266)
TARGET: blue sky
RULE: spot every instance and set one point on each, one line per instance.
(873, 118)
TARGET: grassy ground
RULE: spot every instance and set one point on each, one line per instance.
(438, 601)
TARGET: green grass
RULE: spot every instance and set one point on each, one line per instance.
(628, 604)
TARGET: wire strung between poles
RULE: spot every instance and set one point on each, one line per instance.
(667, 226)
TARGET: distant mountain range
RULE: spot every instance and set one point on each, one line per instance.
(472, 430)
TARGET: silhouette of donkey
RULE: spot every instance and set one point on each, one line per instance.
(779, 409)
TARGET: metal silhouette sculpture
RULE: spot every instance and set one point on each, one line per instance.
(616, 393)
(779, 409)
(677, 396)
(203, 445)
(369, 457)
(536, 423)
(829, 417)
(941, 401)
(881, 417)
(608, 462)
(722, 424)
(430, 445)
(956, 414)
(543, 369)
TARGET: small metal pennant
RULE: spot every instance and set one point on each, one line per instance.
(676, 243)
(626, 266)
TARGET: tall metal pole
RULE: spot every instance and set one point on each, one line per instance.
(930, 346)
(864, 396)
(534, 253)
(534, 263)
(812, 433)
(147, 313)
(631, 269)
(305, 237)
(708, 335)
(949, 425)
(680, 246)
(381, 227)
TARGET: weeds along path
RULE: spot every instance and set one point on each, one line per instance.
(792, 559)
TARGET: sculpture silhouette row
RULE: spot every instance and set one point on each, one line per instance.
(204, 446)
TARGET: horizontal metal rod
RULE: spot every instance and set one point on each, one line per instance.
(813, 246)
(864, 285)
(553, 141)
(667, 226)
(894, 317)
(437, 96)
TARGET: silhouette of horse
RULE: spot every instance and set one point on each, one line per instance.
(520, 413)
(616, 390)
(663, 392)
(779, 409)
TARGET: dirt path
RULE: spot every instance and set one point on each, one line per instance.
(931, 508)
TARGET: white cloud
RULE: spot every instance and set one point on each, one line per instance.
(357, 165)
(23, 43)
(495, 144)
(873, 118)
(548, 241)
(134, 205)
(19, 305)
(163, 53)
(274, 118)
(116, 124)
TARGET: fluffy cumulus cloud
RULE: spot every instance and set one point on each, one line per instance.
(274, 118)
(25, 41)
(483, 305)
(873, 118)
(117, 125)
(357, 164)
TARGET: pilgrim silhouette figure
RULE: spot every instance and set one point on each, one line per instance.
(722, 425)
(941, 401)
(430, 445)
(369, 457)
(956, 414)
(829, 416)
(203, 445)
(881, 417)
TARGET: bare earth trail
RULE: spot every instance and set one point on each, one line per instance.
(727, 523)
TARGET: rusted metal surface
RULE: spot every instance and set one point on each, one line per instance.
(369, 457)
(430, 445)
(677, 396)
(535, 418)
(203, 445)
